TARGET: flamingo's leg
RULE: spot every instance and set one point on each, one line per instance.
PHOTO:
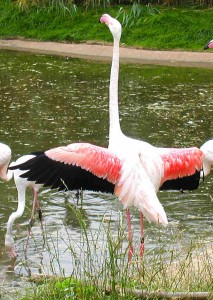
(32, 219)
(142, 235)
(131, 249)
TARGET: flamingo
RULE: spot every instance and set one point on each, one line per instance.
(89, 167)
(159, 166)
(209, 45)
(21, 186)
(169, 158)
(167, 168)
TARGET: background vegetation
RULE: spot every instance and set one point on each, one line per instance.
(93, 3)
(186, 27)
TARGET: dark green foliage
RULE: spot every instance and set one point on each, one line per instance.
(145, 26)
(173, 29)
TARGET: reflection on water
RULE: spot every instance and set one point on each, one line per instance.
(49, 101)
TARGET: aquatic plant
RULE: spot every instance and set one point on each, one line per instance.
(101, 268)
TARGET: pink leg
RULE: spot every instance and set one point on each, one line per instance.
(32, 219)
(131, 249)
(142, 235)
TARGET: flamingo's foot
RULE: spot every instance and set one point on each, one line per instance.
(130, 252)
(9, 244)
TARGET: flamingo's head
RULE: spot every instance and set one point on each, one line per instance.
(209, 45)
(113, 24)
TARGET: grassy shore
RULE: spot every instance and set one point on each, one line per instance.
(148, 27)
(180, 274)
(100, 270)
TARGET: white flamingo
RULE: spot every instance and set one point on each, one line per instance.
(21, 184)
(157, 162)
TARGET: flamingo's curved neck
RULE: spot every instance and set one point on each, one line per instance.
(15, 215)
(114, 128)
(5, 174)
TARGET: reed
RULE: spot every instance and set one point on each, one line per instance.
(59, 6)
(99, 267)
(136, 13)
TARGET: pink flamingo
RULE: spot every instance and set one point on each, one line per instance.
(169, 164)
(54, 168)
(21, 185)
(209, 45)
(162, 165)
(88, 167)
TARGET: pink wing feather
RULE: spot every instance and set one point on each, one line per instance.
(100, 161)
(181, 162)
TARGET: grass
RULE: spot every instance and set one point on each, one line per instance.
(108, 275)
(145, 26)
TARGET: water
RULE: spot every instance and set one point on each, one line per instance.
(48, 101)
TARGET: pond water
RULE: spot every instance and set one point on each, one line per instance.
(48, 101)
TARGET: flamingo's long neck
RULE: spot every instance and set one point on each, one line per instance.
(5, 174)
(114, 128)
(21, 205)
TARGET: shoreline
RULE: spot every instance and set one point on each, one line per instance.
(101, 52)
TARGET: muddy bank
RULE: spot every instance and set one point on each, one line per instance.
(104, 53)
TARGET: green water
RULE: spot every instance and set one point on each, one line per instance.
(48, 101)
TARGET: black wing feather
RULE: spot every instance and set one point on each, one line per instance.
(61, 176)
(187, 183)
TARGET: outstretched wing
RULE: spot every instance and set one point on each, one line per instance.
(88, 167)
(76, 166)
(179, 163)
(186, 183)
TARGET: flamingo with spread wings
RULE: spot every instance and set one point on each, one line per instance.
(167, 168)
(79, 166)
(147, 168)
(89, 167)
